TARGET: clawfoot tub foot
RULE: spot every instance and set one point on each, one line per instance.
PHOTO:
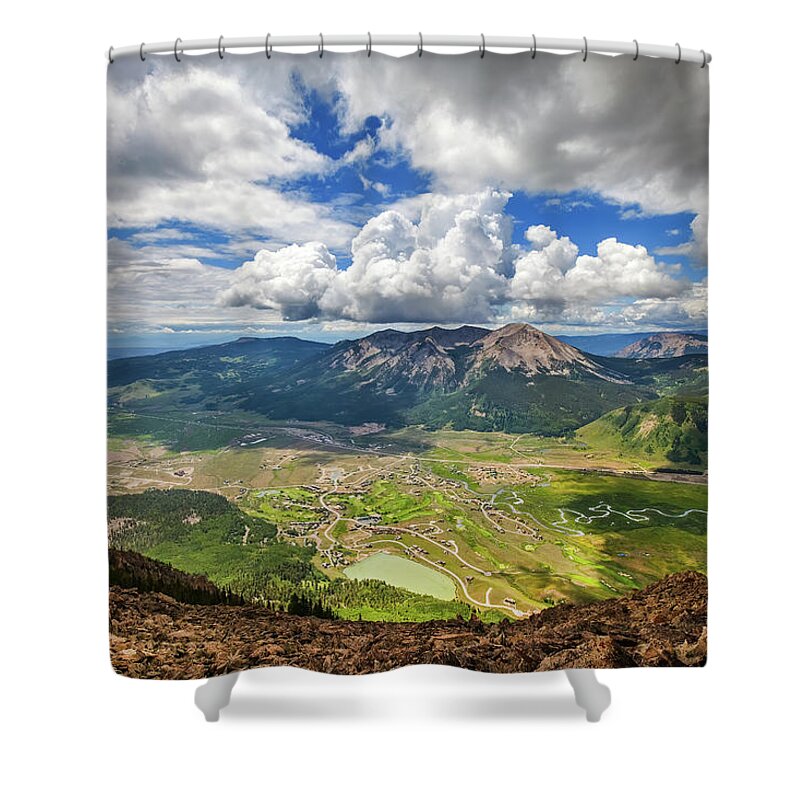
(591, 695)
(215, 694)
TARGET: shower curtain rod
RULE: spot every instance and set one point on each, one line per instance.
(369, 41)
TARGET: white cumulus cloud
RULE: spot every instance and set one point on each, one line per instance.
(291, 280)
(451, 259)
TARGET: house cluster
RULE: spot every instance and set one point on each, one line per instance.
(310, 436)
(446, 543)
(334, 558)
(495, 473)
(295, 529)
(369, 519)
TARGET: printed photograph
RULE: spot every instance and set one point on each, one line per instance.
(407, 362)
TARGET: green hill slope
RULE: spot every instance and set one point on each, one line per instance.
(205, 535)
(670, 432)
(204, 377)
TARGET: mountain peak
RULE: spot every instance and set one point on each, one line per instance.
(520, 346)
(516, 327)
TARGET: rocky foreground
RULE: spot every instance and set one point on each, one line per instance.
(154, 636)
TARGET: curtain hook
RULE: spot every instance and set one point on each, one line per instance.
(369, 44)
(678, 59)
(482, 48)
(585, 48)
(533, 49)
(141, 51)
(321, 46)
(419, 46)
(111, 54)
(175, 48)
(220, 48)
(705, 59)
(636, 57)
(267, 46)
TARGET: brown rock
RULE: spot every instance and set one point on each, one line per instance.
(155, 636)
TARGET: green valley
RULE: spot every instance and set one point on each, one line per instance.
(435, 474)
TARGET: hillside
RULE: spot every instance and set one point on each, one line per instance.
(665, 345)
(207, 538)
(671, 432)
(130, 570)
(205, 375)
(153, 635)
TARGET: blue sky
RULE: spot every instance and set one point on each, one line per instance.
(518, 239)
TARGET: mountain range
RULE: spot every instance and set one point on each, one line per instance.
(611, 344)
(515, 379)
(599, 344)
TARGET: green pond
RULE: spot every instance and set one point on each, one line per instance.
(404, 574)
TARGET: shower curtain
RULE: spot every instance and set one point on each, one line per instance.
(407, 362)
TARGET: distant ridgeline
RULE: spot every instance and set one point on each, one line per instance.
(226, 553)
(515, 379)
(640, 345)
